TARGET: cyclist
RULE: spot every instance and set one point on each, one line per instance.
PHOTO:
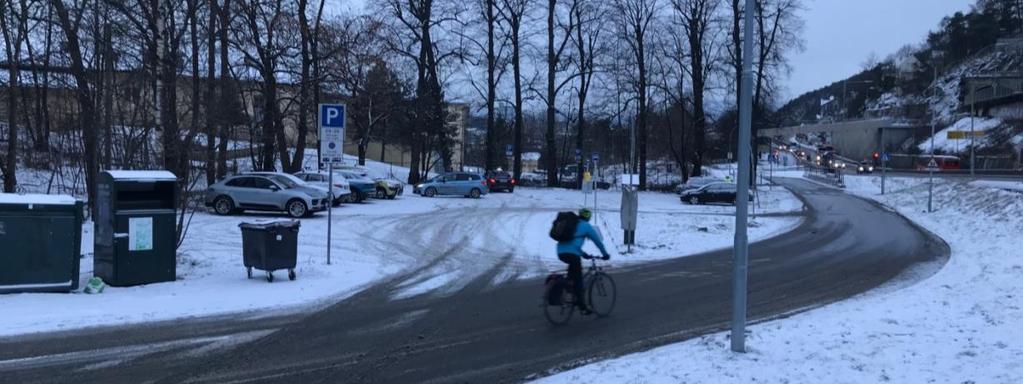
(571, 253)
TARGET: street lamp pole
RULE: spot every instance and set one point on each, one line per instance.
(741, 242)
(973, 116)
(935, 56)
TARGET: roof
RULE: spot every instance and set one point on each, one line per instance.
(531, 156)
(32, 198)
(141, 175)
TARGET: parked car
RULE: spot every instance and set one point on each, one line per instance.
(533, 179)
(265, 192)
(696, 183)
(453, 183)
(362, 187)
(500, 181)
(865, 168)
(712, 193)
(340, 192)
(388, 188)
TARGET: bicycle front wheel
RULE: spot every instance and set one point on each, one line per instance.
(602, 294)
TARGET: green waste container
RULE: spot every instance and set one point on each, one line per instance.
(41, 239)
(269, 246)
(136, 229)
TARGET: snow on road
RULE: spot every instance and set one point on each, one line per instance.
(961, 325)
(442, 243)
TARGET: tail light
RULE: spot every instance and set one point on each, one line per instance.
(492, 181)
(513, 181)
(484, 182)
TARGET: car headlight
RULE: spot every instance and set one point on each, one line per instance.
(871, 169)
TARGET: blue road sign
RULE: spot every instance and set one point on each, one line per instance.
(885, 157)
(332, 115)
(509, 150)
(595, 156)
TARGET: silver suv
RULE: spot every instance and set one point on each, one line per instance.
(265, 192)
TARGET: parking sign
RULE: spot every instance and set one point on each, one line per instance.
(332, 132)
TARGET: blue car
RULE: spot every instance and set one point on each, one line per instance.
(453, 183)
(362, 186)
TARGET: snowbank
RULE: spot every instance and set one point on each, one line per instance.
(961, 325)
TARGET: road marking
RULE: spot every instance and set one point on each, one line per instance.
(113, 356)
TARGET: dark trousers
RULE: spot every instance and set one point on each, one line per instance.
(575, 273)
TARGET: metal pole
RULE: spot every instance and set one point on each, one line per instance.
(934, 122)
(330, 205)
(741, 244)
(973, 116)
(884, 160)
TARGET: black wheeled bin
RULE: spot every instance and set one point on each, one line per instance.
(269, 246)
(136, 230)
(41, 243)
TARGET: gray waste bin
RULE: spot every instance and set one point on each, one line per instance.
(41, 239)
(269, 246)
(136, 229)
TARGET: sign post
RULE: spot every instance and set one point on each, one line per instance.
(884, 162)
(332, 138)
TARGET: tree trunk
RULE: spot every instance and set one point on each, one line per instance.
(517, 72)
(552, 63)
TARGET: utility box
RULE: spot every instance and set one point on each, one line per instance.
(136, 236)
(41, 239)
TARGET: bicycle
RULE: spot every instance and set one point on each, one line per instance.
(559, 303)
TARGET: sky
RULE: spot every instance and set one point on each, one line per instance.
(841, 34)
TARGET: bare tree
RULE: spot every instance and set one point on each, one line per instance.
(589, 18)
(635, 18)
(514, 12)
(555, 49)
(14, 25)
(697, 17)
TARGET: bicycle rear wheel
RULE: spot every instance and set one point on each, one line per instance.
(602, 294)
(557, 314)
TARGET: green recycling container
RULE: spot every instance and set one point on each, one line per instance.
(136, 233)
(41, 239)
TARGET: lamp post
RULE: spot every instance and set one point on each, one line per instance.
(741, 243)
(935, 59)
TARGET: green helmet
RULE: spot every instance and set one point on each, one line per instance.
(585, 214)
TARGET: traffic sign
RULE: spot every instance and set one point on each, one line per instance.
(595, 156)
(509, 150)
(932, 165)
(332, 132)
(886, 157)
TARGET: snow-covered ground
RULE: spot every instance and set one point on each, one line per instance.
(381, 238)
(961, 325)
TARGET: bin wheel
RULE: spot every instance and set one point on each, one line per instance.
(291, 274)
(269, 276)
(248, 271)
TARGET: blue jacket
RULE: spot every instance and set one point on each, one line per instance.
(583, 231)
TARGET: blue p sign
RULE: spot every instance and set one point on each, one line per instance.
(332, 115)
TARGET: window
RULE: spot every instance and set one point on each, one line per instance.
(241, 182)
(261, 183)
(463, 177)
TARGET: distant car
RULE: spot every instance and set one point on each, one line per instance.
(265, 192)
(388, 188)
(362, 187)
(533, 179)
(500, 181)
(453, 183)
(712, 193)
(341, 191)
(864, 168)
(696, 183)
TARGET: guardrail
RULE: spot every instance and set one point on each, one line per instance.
(824, 175)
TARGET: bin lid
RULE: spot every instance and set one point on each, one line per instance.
(270, 223)
(141, 175)
(36, 199)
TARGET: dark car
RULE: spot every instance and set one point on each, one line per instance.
(711, 193)
(500, 181)
(865, 168)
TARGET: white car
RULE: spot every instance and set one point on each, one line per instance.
(302, 182)
(341, 190)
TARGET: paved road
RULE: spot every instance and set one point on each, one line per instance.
(483, 333)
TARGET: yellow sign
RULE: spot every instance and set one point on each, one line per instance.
(587, 177)
(959, 135)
